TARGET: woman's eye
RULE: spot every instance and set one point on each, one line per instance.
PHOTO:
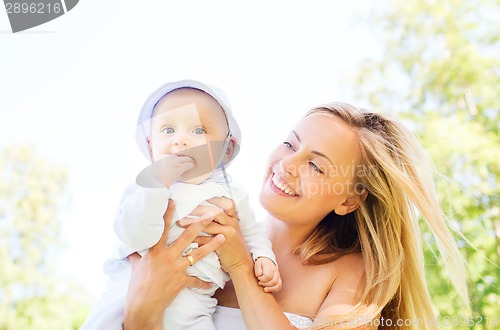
(168, 130)
(316, 168)
(288, 145)
(199, 131)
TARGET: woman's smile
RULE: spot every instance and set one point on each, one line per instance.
(280, 186)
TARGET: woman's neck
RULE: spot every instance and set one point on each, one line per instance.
(286, 236)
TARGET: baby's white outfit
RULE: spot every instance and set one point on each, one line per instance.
(139, 225)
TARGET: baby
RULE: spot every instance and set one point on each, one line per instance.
(187, 130)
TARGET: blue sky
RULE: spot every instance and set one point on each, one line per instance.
(73, 88)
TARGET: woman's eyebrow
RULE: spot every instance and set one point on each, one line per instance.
(314, 151)
(296, 135)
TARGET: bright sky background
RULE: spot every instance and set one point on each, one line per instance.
(73, 88)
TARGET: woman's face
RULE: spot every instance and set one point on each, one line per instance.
(312, 172)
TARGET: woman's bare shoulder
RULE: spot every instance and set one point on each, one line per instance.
(348, 275)
(349, 267)
(346, 290)
(353, 259)
(348, 264)
(347, 285)
(344, 273)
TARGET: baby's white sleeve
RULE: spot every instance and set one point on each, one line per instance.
(139, 220)
(254, 233)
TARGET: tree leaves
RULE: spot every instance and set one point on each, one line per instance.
(32, 193)
(441, 72)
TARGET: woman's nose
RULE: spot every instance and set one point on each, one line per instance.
(289, 165)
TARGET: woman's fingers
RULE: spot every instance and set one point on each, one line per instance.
(229, 215)
(224, 203)
(188, 236)
(219, 204)
(189, 219)
(210, 246)
(220, 217)
(202, 240)
(215, 228)
(223, 210)
(233, 254)
(224, 219)
(201, 210)
(197, 254)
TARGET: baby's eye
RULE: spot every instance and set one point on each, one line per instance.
(168, 130)
(199, 131)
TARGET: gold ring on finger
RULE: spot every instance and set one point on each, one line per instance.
(190, 259)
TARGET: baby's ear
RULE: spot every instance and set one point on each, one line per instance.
(231, 146)
(150, 147)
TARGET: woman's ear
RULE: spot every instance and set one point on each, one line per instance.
(351, 203)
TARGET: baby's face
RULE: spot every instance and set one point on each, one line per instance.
(189, 122)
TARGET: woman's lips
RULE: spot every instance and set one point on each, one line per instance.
(281, 187)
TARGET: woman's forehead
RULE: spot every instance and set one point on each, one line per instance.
(330, 135)
(322, 124)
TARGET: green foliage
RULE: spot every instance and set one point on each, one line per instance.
(470, 162)
(440, 70)
(31, 196)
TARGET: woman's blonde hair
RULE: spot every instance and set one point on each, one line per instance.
(397, 175)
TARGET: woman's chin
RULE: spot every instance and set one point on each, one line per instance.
(273, 207)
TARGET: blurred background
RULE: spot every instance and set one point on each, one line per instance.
(70, 91)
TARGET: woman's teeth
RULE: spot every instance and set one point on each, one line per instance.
(283, 187)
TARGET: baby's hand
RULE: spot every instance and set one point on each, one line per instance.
(268, 275)
(165, 170)
(170, 167)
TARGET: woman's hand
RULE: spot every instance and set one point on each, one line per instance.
(260, 309)
(233, 254)
(160, 275)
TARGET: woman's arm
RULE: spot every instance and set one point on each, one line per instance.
(160, 275)
(260, 309)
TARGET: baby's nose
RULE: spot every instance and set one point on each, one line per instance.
(180, 143)
(181, 140)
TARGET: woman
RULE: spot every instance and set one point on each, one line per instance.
(343, 192)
